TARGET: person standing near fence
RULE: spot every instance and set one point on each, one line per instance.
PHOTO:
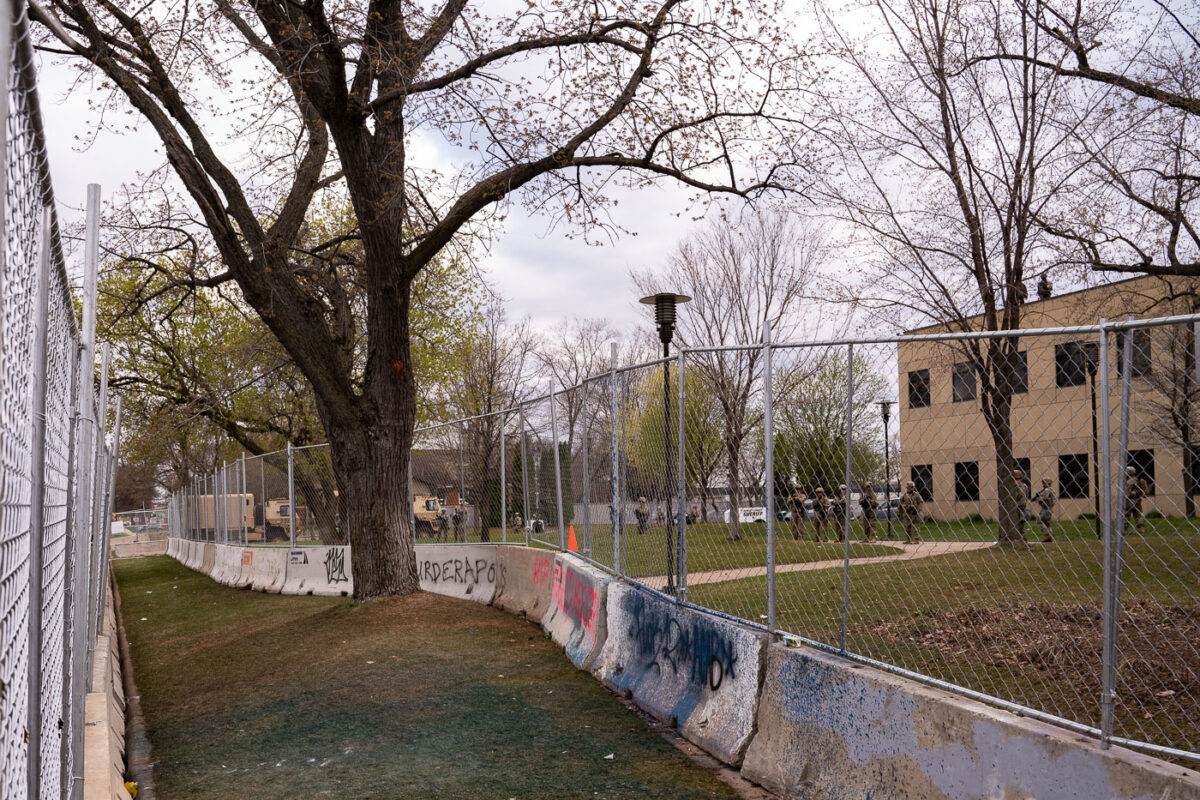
(910, 513)
(1022, 499)
(517, 523)
(840, 507)
(642, 514)
(870, 502)
(820, 514)
(796, 513)
(1136, 491)
(1045, 500)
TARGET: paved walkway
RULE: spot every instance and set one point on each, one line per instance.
(908, 552)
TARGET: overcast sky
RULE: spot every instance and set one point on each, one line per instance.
(545, 274)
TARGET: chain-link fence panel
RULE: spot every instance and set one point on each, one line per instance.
(1155, 547)
(320, 515)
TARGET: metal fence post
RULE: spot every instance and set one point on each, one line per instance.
(849, 484)
(680, 453)
(613, 482)
(769, 474)
(524, 475)
(291, 495)
(462, 485)
(562, 534)
(624, 474)
(85, 461)
(587, 480)
(1112, 539)
(37, 511)
(97, 521)
(242, 504)
(503, 483)
(114, 460)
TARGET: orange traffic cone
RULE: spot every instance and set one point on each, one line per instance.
(572, 545)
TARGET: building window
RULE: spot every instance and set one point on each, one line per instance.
(1142, 462)
(1020, 373)
(963, 383)
(918, 388)
(922, 478)
(1194, 451)
(1070, 364)
(1073, 481)
(966, 480)
(1139, 366)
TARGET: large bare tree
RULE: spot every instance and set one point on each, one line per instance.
(1142, 187)
(948, 162)
(262, 106)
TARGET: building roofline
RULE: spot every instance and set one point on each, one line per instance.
(943, 325)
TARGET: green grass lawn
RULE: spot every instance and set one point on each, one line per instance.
(249, 695)
(1021, 624)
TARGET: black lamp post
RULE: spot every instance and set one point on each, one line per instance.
(664, 319)
(885, 408)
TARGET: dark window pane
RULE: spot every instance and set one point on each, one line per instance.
(918, 388)
(1194, 452)
(1020, 373)
(1022, 466)
(922, 478)
(966, 480)
(1142, 462)
(963, 383)
(1140, 365)
(1073, 480)
(1070, 364)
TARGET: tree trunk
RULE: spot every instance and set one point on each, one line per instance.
(1009, 502)
(372, 469)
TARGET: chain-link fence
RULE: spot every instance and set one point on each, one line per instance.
(1009, 516)
(56, 466)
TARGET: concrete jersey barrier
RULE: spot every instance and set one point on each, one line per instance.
(319, 570)
(830, 728)
(208, 555)
(577, 617)
(687, 668)
(524, 576)
(464, 571)
(267, 569)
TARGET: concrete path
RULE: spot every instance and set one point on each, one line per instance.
(908, 552)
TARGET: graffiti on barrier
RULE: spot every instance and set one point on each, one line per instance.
(542, 567)
(576, 596)
(335, 565)
(466, 571)
(697, 648)
(298, 558)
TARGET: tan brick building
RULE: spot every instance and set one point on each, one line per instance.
(946, 447)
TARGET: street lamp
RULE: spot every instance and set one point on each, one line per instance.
(664, 319)
(885, 409)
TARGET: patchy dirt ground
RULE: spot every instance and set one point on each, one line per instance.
(1158, 682)
(263, 696)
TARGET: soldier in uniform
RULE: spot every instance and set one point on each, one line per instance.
(459, 519)
(795, 507)
(909, 510)
(870, 502)
(1135, 491)
(517, 522)
(839, 505)
(642, 513)
(1022, 499)
(820, 514)
(1045, 501)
